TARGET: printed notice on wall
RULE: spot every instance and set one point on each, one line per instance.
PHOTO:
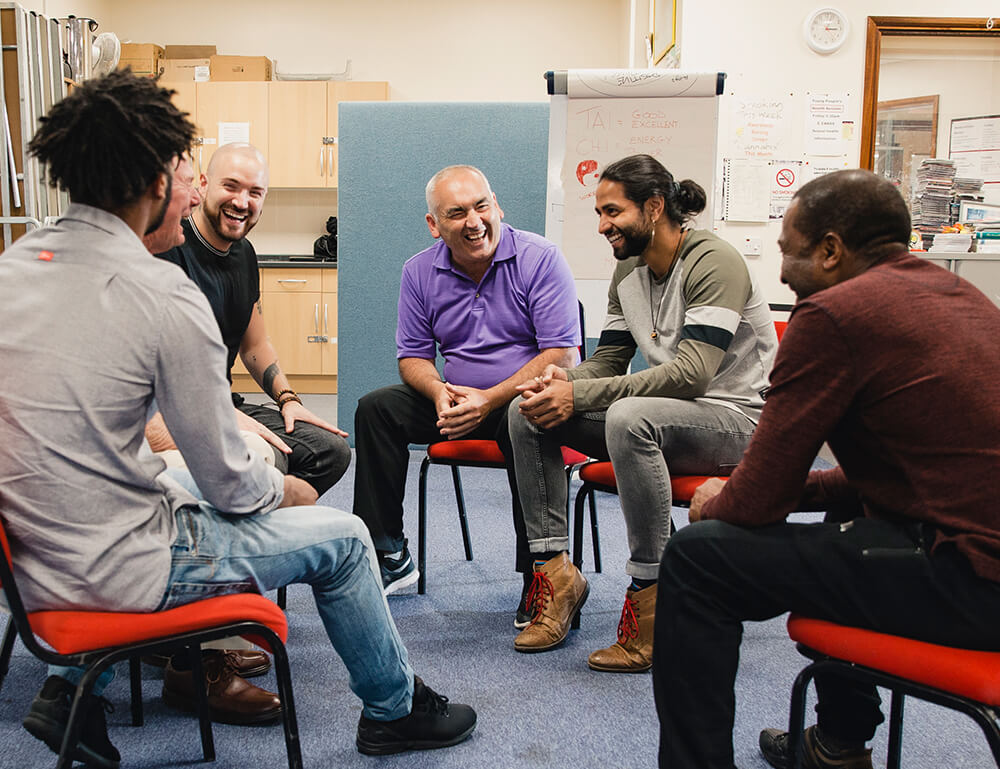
(828, 129)
(975, 147)
(234, 133)
(758, 190)
(759, 127)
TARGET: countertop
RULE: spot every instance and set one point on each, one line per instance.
(280, 260)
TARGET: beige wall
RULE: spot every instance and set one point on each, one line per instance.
(433, 50)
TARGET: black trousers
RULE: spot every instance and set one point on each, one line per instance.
(386, 422)
(318, 456)
(865, 573)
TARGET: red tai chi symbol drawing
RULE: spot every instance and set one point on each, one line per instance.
(785, 177)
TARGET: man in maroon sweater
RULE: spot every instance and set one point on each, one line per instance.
(896, 364)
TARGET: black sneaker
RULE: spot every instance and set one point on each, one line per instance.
(432, 723)
(397, 572)
(49, 715)
(816, 754)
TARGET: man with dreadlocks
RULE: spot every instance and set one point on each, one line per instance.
(92, 521)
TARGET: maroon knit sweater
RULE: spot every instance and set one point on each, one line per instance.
(898, 369)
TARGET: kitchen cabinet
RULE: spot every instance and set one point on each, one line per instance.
(304, 128)
(300, 313)
(243, 106)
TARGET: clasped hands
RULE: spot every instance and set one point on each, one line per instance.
(460, 409)
(547, 400)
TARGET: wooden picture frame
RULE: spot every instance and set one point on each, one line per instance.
(663, 28)
(878, 26)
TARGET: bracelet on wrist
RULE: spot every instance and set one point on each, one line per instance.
(286, 391)
(289, 399)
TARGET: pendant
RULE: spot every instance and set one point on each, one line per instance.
(653, 335)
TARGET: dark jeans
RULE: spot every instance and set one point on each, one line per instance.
(385, 423)
(318, 456)
(865, 573)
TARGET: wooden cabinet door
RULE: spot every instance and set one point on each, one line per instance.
(298, 115)
(330, 321)
(347, 90)
(239, 103)
(293, 320)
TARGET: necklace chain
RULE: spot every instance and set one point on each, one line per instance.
(655, 313)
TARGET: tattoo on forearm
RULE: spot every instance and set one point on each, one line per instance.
(260, 306)
(268, 378)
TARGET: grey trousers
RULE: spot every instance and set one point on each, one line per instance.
(646, 440)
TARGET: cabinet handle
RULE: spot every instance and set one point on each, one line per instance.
(326, 319)
(291, 280)
(322, 162)
(316, 318)
(332, 169)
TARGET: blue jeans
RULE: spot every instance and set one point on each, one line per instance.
(216, 554)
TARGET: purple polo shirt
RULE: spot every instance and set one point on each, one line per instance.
(525, 302)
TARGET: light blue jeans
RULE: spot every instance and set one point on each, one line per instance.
(646, 440)
(217, 553)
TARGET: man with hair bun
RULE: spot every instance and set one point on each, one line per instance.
(686, 300)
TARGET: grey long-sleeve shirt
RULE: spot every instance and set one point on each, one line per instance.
(93, 329)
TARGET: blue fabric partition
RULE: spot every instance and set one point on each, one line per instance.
(388, 151)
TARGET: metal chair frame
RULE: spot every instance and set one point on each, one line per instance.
(97, 660)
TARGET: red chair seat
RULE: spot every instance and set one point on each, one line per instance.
(602, 474)
(72, 632)
(466, 451)
(965, 672)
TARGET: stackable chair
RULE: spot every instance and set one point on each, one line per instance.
(97, 639)
(600, 476)
(471, 453)
(961, 679)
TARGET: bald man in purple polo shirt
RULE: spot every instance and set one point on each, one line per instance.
(499, 305)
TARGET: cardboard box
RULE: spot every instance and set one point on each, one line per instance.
(225, 68)
(186, 70)
(189, 51)
(144, 58)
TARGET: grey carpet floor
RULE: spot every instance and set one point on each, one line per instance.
(544, 711)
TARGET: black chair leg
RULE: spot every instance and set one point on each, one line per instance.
(578, 527)
(6, 649)
(282, 598)
(797, 716)
(200, 687)
(895, 730)
(135, 689)
(289, 720)
(463, 521)
(594, 533)
(422, 527)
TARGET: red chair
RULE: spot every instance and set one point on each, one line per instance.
(600, 476)
(961, 679)
(472, 453)
(97, 639)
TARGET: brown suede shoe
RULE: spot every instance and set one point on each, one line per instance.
(231, 700)
(249, 663)
(556, 595)
(633, 651)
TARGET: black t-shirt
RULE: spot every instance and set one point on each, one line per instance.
(229, 280)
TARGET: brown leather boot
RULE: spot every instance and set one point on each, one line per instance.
(633, 651)
(555, 597)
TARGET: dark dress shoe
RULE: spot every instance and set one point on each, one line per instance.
(249, 663)
(231, 699)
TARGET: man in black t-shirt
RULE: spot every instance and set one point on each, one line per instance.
(217, 256)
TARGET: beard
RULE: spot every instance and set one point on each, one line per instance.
(635, 240)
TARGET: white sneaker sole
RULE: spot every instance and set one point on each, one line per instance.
(399, 584)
